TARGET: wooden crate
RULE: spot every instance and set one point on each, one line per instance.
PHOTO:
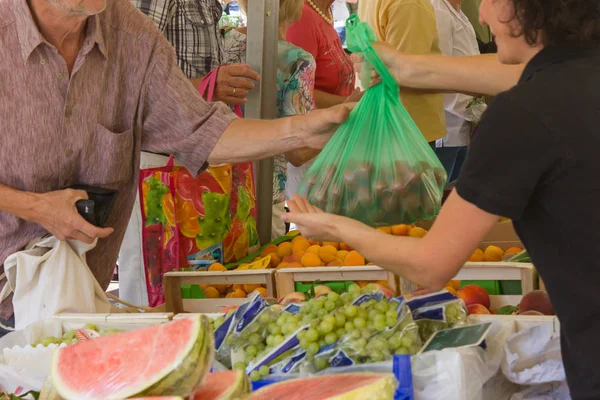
(286, 278)
(174, 280)
(123, 321)
(490, 271)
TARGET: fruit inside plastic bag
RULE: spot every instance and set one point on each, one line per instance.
(378, 168)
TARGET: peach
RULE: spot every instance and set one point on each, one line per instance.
(473, 294)
(294, 297)
(477, 309)
(537, 300)
(321, 290)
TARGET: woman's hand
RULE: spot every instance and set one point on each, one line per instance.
(355, 97)
(392, 59)
(319, 125)
(233, 83)
(313, 222)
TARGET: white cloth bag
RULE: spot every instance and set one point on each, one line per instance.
(51, 277)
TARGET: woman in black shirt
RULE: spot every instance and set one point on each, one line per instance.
(535, 159)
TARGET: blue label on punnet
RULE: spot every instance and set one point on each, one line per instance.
(435, 313)
(292, 309)
(248, 314)
(290, 343)
(222, 331)
(341, 359)
(293, 362)
(377, 296)
(430, 299)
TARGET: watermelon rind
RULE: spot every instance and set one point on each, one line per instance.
(178, 369)
(189, 375)
(383, 388)
(239, 388)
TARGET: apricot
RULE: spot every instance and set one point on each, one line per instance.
(284, 249)
(417, 232)
(354, 259)
(275, 260)
(513, 251)
(477, 256)
(300, 246)
(400, 230)
(493, 253)
(249, 288)
(327, 253)
(217, 267)
(268, 250)
(211, 293)
(332, 244)
(341, 255)
(477, 309)
(295, 265)
(385, 229)
(262, 291)
(314, 249)
(335, 263)
(310, 260)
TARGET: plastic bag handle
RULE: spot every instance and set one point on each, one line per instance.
(359, 39)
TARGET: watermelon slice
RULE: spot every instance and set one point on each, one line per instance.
(162, 360)
(228, 385)
(332, 387)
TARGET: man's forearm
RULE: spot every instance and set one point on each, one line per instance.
(250, 140)
(482, 75)
(16, 202)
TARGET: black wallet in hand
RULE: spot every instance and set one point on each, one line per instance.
(97, 207)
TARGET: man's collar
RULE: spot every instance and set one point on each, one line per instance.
(30, 37)
(557, 54)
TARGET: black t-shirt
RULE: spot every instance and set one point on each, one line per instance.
(535, 158)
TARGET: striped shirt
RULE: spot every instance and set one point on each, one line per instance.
(192, 28)
(124, 95)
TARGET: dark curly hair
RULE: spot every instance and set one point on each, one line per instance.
(557, 20)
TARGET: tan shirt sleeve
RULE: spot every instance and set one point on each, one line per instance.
(176, 119)
(410, 27)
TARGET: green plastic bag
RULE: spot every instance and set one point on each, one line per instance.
(377, 168)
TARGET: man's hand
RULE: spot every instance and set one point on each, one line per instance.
(319, 125)
(233, 83)
(392, 59)
(56, 212)
(313, 222)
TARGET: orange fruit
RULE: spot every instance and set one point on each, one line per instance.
(333, 244)
(295, 265)
(284, 249)
(454, 284)
(354, 259)
(513, 251)
(314, 249)
(400, 230)
(268, 250)
(385, 284)
(204, 286)
(310, 260)
(283, 265)
(335, 263)
(385, 229)
(300, 245)
(211, 293)
(477, 256)
(342, 254)
(238, 294)
(222, 288)
(217, 267)
(362, 284)
(417, 232)
(313, 242)
(262, 291)
(238, 286)
(327, 253)
(249, 288)
(493, 253)
(275, 260)
(344, 246)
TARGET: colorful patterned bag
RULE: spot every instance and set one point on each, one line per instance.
(193, 222)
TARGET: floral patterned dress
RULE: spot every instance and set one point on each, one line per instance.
(295, 87)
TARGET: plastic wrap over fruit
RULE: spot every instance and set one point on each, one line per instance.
(378, 168)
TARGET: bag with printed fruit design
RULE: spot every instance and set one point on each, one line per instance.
(193, 222)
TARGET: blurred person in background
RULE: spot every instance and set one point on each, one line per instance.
(457, 38)
(485, 38)
(315, 33)
(295, 91)
(410, 27)
(340, 12)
